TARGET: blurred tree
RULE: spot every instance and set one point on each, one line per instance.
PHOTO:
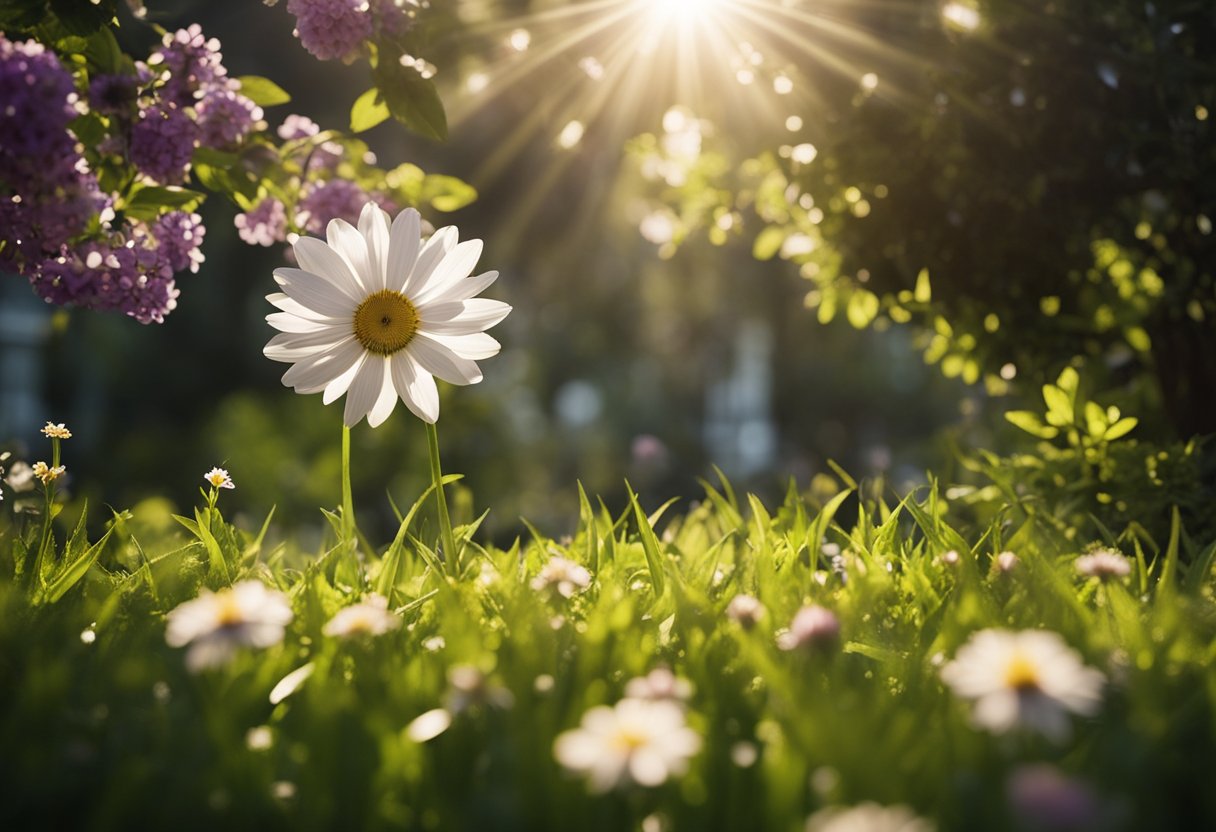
(1034, 181)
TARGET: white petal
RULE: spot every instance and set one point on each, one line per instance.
(646, 767)
(373, 225)
(416, 387)
(345, 239)
(282, 301)
(463, 317)
(290, 346)
(383, 408)
(290, 322)
(405, 238)
(440, 361)
(433, 251)
(315, 256)
(316, 293)
(476, 346)
(335, 389)
(323, 369)
(364, 390)
(456, 265)
(467, 288)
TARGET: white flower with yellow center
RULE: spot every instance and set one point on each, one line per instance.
(376, 314)
(370, 617)
(218, 478)
(216, 624)
(638, 741)
(1029, 679)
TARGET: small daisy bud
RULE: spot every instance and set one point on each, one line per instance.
(745, 610)
(814, 627)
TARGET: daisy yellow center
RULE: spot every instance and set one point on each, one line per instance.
(1021, 674)
(228, 612)
(385, 322)
(629, 740)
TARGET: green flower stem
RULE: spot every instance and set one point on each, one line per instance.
(44, 545)
(450, 552)
(348, 503)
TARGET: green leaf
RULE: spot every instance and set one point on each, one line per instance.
(650, 545)
(1059, 406)
(1031, 423)
(1121, 428)
(83, 18)
(447, 193)
(262, 91)
(924, 292)
(862, 309)
(412, 99)
(368, 111)
(150, 202)
(768, 242)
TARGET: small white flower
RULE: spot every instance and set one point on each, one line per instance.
(20, 477)
(215, 624)
(375, 314)
(867, 817)
(1006, 562)
(369, 617)
(56, 431)
(635, 742)
(659, 684)
(218, 478)
(1104, 565)
(1030, 679)
(562, 575)
(470, 688)
(813, 628)
(745, 610)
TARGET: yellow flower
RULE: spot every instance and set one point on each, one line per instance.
(47, 474)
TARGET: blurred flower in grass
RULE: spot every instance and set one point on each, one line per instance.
(375, 314)
(1029, 679)
(867, 817)
(745, 610)
(1104, 565)
(369, 617)
(215, 624)
(563, 576)
(658, 685)
(1045, 799)
(813, 628)
(637, 741)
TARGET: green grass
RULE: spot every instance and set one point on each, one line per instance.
(112, 731)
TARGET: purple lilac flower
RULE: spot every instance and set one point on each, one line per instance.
(265, 225)
(113, 94)
(162, 142)
(325, 157)
(331, 28)
(225, 118)
(1044, 798)
(47, 193)
(297, 127)
(190, 63)
(332, 199)
(179, 239)
(393, 17)
(121, 277)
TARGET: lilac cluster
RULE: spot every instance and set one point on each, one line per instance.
(332, 29)
(187, 72)
(393, 17)
(265, 225)
(328, 200)
(47, 192)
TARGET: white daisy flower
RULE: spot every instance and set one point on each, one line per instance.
(376, 314)
(562, 575)
(215, 624)
(1104, 565)
(369, 617)
(867, 817)
(48, 474)
(1030, 679)
(56, 431)
(638, 741)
